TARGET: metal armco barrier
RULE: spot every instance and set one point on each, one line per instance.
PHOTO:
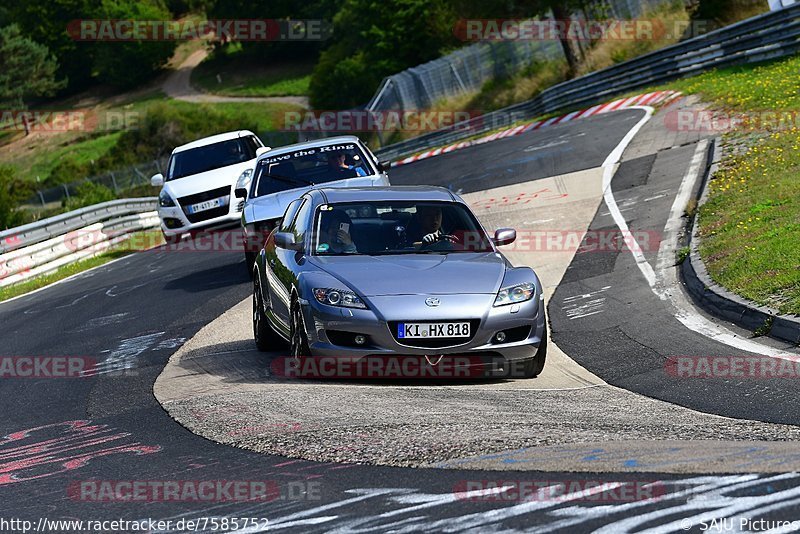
(45, 246)
(36, 232)
(768, 36)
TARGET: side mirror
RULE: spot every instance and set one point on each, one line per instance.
(384, 166)
(262, 150)
(240, 192)
(504, 236)
(157, 180)
(286, 240)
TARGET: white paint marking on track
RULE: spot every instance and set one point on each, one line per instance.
(609, 168)
(664, 283)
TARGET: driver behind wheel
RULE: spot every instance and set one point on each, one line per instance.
(426, 227)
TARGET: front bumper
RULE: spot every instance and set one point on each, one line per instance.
(482, 349)
(174, 221)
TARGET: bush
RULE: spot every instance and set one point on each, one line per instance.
(89, 193)
(12, 191)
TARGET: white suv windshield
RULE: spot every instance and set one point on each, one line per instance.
(310, 166)
(210, 157)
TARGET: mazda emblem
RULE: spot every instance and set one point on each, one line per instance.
(432, 302)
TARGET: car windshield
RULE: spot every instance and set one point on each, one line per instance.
(210, 157)
(390, 228)
(310, 166)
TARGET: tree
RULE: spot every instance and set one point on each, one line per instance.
(27, 69)
(561, 10)
(375, 39)
(128, 63)
(46, 23)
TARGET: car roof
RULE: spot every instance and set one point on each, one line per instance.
(392, 193)
(227, 136)
(312, 144)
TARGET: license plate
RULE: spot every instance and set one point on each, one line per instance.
(425, 330)
(207, 205)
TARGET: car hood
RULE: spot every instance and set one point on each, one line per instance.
(205, 181)
(274, 205)
(417, 274)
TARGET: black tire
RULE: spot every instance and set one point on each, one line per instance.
(249, 262)
(533, 367)
(265, 337)
(298, 346)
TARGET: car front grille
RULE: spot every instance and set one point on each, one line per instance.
(202, 197)
(435, 342)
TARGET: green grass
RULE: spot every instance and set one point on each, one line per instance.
(80, 150)
(268, 116)
(769, 87)
(751, 221)
(242, 76)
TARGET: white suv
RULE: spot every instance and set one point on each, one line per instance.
(197, 192)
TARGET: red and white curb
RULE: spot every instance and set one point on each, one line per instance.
(648, 99)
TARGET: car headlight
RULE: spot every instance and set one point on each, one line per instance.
(244, 179)
(338, 297)
(164, 200)
(514, 294)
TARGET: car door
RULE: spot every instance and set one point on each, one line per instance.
(285, 267)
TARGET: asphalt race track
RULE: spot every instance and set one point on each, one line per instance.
(129, 317)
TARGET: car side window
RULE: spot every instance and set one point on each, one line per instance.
(300, 224)
(288, 217)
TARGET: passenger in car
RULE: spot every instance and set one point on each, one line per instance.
(335, 233)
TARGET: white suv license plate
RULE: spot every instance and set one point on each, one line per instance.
(207, 205)
(426, 330)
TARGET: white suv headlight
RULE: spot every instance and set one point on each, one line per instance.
(338, 297)
(515, 294)
(164, 200)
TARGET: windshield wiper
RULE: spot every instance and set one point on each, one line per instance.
(290, 180)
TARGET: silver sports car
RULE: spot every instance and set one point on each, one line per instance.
(396, 272)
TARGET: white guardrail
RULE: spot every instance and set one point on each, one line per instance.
(45, 246)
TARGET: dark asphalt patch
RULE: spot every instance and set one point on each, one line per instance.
(633, 173)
